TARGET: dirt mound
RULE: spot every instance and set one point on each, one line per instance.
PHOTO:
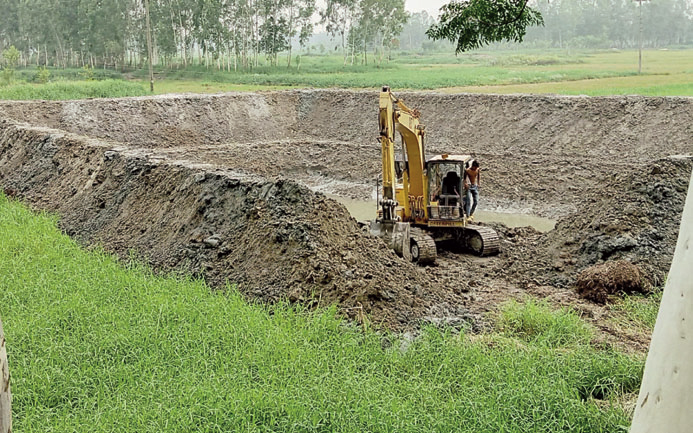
(598, 282)
(635, 217)
(274, 239)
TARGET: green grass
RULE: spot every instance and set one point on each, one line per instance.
(97, 346)
(535, 322)
(73, 90)
(638, 311)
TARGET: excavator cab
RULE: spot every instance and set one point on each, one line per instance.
(445, 183)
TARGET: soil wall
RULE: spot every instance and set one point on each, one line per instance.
(622, 127)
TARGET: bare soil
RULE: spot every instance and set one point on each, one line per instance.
(226, 186)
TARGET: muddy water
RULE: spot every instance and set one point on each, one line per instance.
(516, 220)
(366, 210)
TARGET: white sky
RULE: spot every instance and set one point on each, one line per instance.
(430, 6)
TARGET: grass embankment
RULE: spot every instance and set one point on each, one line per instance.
(98, 346)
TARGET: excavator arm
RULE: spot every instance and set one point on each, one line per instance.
(396, 116)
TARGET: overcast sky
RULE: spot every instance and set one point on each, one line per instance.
(430, 6)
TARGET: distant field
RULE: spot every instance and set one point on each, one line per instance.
(664, 73)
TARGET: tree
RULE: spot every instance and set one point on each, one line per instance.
(299, 14)
(414, 32)
(472, 24)
(378, 23)
(339, 17)
(391, 19)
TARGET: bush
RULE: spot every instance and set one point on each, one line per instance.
(43, 75)
(10, 58)
(87, 73)
(7, 76)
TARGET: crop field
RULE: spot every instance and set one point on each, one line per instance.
(183, 262)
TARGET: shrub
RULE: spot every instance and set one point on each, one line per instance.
(43, 75)
(87, 73)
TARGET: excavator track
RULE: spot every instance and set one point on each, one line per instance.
(422, 247)
(482, 241)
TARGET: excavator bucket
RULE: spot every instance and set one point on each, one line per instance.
(396, 236)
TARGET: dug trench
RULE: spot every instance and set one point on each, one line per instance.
(230, 187)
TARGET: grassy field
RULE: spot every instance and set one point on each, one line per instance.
(665, 73)
(99, 346)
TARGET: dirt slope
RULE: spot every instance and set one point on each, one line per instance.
(274, 239)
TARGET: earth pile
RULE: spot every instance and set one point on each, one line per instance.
(635, 217)
(274, 239)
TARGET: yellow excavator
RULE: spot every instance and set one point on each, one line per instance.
(422, 200)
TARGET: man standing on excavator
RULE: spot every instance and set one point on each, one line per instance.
(472, 178)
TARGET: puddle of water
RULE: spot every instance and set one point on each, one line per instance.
(359, 209)
(516, 220)
(366, 210)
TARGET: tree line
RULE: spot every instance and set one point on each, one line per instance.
(242, 34)
(227, 34)
(613, 23)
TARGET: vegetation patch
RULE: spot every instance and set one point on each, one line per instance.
(101, 346)
(638, 310)
(532, 60)
(72, 90)
(536, 322)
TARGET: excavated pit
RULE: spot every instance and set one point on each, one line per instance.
(228, 186)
